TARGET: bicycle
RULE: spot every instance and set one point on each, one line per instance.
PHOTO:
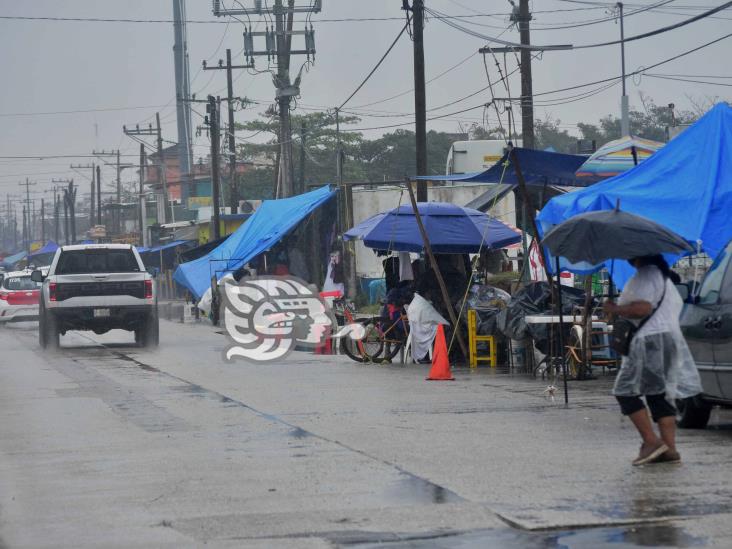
(384, 337)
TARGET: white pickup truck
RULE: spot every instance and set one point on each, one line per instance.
(97, 287)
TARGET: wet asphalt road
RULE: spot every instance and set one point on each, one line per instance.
(105, 444)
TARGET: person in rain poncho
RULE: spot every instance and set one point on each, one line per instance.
(659, 365)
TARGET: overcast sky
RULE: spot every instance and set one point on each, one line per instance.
(52, 66)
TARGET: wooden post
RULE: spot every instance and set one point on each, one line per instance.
(438, 274)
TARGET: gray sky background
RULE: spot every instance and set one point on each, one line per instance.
(50, 66)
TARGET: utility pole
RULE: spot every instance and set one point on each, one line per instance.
(99, 196)
(143, 206)
(233, 190)
(43, 221)
(26, 218)
(420, 97)
(93, 193)
(56, 230)
(527, 94)
(182, 94)
(212, 109)
(115, 155)
(624, 105)
(162, 194)
(301, 178)
(162, 175)
(69, 199)
(279, 48)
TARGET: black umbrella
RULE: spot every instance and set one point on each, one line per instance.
(595, 237)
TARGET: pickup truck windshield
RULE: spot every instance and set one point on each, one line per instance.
(96, 261)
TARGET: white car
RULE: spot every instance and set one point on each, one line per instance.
(19, 297)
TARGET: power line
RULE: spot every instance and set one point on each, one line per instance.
(378, 64)
(692, 81)
(80, 111)
(586, 46)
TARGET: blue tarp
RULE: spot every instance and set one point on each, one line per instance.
(49, 248)
(537, 167)
(686, 186)
(10, 261)
(267, 226)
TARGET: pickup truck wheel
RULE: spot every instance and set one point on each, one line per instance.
(148, 334)
(693, 413)
(48, 334)
(42, 340)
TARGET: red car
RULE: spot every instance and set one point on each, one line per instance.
(19, 297)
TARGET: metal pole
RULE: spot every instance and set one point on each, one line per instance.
(162, 175)
(118, 216)
(93, 198)
(561, 332)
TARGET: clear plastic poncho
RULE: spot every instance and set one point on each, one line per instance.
(659, 360)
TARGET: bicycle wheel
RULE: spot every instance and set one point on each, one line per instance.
(392, 339)
(367, 349)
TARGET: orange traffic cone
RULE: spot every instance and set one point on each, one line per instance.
(440, 370)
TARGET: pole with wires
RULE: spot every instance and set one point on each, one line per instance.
(624, 105)
(420, 97)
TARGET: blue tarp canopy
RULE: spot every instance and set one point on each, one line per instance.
(537, 167)
(265, 228)
(11, 260)
(686, 186)
(50, 247)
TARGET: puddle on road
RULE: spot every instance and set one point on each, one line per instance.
(413, 490)
(658, 536)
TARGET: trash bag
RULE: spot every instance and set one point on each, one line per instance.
(535, 299)
(488, 302)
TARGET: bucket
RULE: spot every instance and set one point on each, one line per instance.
(518, 353)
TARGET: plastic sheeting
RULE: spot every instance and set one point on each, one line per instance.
(535, 299)
(267, 226)
(686, 186)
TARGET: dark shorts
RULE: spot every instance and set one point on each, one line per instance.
(659, 406)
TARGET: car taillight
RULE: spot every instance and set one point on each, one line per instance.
(52, 291)
(148, 289)
(4, 296)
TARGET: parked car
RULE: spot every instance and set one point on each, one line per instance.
(97, 287)
(707, 325)
(19, 296)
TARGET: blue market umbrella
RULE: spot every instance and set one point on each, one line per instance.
(451, 229)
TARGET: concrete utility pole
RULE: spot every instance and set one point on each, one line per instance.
(212, 109)
(92, 189)
(43, 221)
(420, 98)
(233, 190)
(527, 94)
(624, 105)
(162, 196)
(183, 94)
(142, 221)
(56, 231)
(279, 47)
(69, 209)
(99, 195)
(28, 233)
